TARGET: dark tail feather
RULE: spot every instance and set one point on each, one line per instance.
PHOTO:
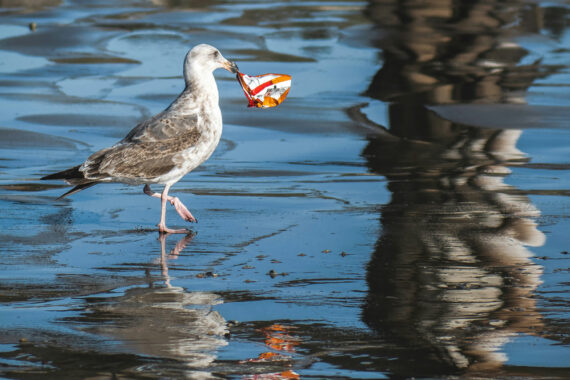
(77, 188)
(72, 173)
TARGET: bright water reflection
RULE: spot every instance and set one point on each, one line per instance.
(404, 213)
(451, 279)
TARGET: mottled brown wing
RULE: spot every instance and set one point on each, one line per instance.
(141, 158)
(163, 126)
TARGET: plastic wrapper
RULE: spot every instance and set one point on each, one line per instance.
(264, 91)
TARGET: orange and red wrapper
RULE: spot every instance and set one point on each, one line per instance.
(264, 91)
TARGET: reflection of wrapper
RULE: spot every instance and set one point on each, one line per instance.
(267, 90)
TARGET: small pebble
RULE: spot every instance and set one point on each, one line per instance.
(33, 26)
(274, 274)
(207, 274)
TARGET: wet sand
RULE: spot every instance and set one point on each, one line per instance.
(404, 213)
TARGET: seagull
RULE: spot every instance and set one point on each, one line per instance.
(169, 145)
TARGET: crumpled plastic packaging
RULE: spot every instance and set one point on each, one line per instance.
(264, 91)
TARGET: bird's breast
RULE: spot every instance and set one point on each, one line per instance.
(210, 132)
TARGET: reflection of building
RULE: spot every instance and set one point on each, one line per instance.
(451, 278)
(438, 51)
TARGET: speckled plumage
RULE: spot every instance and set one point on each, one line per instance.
(169, 145)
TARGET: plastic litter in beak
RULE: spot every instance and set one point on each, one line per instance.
(264, 91)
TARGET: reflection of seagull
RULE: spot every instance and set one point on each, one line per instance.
(173, 253)
(166, 321)
(167, 146)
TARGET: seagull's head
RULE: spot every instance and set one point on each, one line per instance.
(206, 58)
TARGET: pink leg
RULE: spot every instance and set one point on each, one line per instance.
(179, 206)
(182, 210)
(184, 213)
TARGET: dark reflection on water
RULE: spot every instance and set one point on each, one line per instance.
(451, 278)
(456, 51)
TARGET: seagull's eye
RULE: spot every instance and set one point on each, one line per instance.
(216, 54)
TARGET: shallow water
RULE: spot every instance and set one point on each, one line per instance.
(404, 213)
